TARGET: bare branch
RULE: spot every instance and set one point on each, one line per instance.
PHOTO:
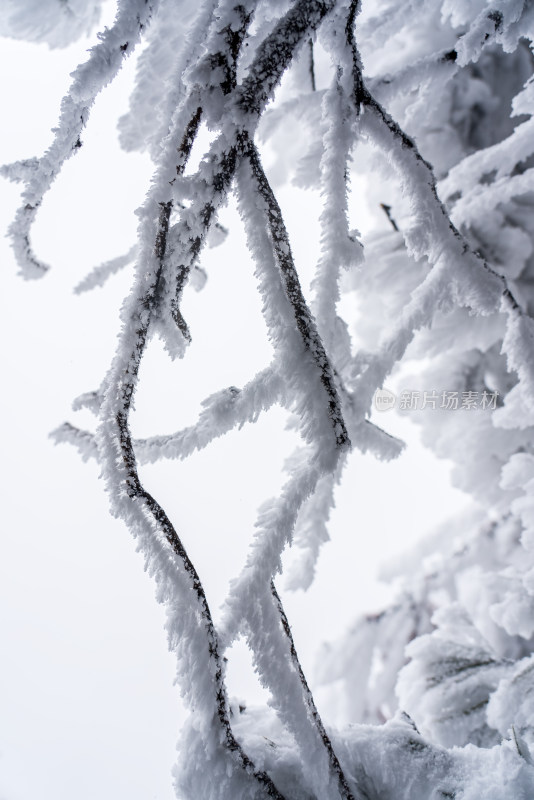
(89, 79)
(311, 66)
(303, 318)
(387, 211)
(223, 411)
(83, 441)
(100, 274)
(335, 766)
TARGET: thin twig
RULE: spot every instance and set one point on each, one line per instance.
(303, 318)
(335, 766)
(115, 44)
(363, 97)
(311, 65)
(100, 274)
(387, 211)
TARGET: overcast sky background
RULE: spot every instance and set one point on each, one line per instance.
(88, 708)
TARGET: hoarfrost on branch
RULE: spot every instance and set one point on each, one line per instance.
(442, 94)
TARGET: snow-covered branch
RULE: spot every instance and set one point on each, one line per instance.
(442, 96)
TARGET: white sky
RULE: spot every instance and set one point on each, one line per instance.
(87, 703)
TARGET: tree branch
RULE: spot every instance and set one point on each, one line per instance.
(335, 766)
(293, 292)
(89, 79)
(311, 65)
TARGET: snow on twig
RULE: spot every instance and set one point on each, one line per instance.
(103, 64)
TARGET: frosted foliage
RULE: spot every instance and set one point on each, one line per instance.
(56, 22)
(432, 120)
